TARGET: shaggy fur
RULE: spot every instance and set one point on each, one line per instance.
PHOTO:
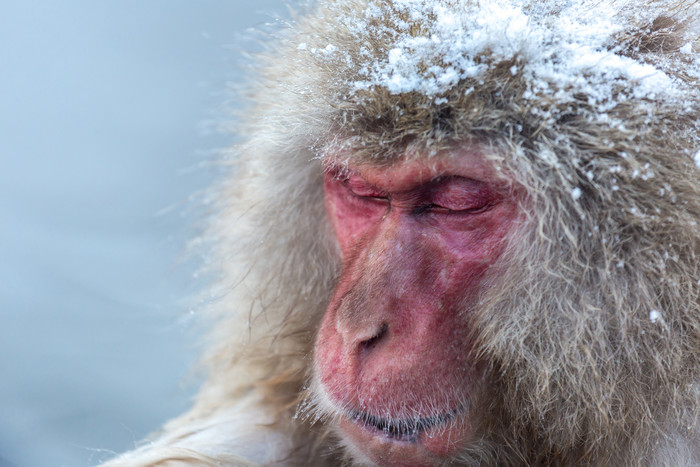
(590, 331)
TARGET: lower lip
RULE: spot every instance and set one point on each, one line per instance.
(429, 446)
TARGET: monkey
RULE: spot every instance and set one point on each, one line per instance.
(457, 232)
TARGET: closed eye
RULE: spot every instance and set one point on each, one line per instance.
(361, 189)
(437, 209)
(459, 195)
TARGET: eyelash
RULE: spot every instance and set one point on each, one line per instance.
(436, 208)
(356, 195)
(368, 199)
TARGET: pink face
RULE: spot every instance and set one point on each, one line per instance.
(392, 355)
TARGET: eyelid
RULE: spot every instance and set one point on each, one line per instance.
(472, 210)
(472, 205)
(358, 187)
(462, 195)
(450, 195)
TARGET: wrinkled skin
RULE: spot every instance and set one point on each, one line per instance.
(392, 354)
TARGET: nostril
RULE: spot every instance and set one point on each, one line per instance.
(369, 343)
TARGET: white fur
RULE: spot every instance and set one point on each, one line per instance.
(238, 435)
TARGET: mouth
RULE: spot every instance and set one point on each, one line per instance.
(406, 429)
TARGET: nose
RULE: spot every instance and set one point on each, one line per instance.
(363, 330)
(366, 345)
(384, 286)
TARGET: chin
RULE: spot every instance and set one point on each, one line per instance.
(387, 445)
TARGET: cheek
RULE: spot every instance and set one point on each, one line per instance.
(351, 217)
(465, 248)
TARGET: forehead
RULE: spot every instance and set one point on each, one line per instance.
(408, 170)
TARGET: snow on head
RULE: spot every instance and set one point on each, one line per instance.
(654, 316)
(445, 52)
(561, 48)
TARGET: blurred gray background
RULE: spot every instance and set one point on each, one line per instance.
(106, 111)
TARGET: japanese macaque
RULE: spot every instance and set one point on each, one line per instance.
(458, 232)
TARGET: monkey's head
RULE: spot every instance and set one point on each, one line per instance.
(479, 231)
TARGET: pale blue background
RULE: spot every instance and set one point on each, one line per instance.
(105, 111)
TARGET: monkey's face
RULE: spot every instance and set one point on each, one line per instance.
(392, 358)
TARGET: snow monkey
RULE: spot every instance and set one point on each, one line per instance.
(458, 232)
